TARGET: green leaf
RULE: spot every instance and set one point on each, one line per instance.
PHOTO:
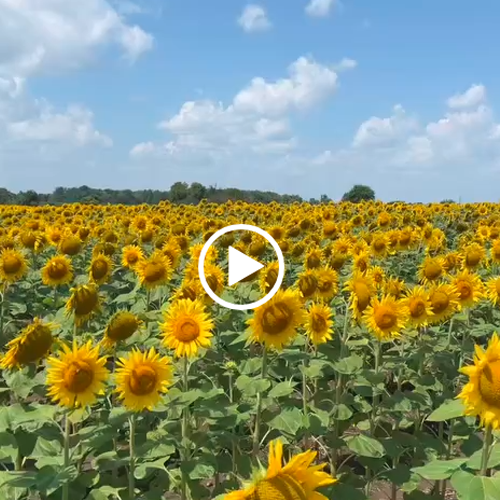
(8, 446)
(281, 390)
(252, 386)
(440, 469)
(341, 412)
(471, 487)
(288, 420)
(349, 365)
(474, 461)
(452, 408)
(49, 478)
(365, 446)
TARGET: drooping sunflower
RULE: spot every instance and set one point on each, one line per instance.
(31, 345)
(119, 328)
(319, 324)
(431, 270)
(474, 255)
(100, 268)
(313, 258)
(269, 277)
(70, 244)
(307, 283)
(172, 250)
(297, 480)
(327, 283)
(187, 327)
(83, 302)
(361, 261)
(419, 306)
(362, 289)
(76, 375)
(57, 271)
(386, 317)
(154, 271)
(481, 395)
(191, 289)
(493, 290)
(395, 287)
(215, 277)
(13, 265)
(275, 323)
(444, 299)
(142, 378)
(131, 255)
(469, 287)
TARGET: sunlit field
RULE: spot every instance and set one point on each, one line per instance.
(373, 373)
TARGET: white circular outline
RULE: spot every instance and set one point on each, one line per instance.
(211, 241)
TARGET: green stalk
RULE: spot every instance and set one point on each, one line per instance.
(65, 488)
(3, 307)
(304, 383)
(258, 409)
(131, 471)
(185, 428)
(233, 444)
(488, 434)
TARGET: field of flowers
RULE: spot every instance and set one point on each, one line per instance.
(373, 373)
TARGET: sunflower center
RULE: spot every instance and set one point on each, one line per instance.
(35, 346)
(440, 301)
(132, 258)
(433, 271)
(379, 245)
(385, 317)
(212, 281)
(308, 285)
(99, 269)
(122, 328)
(473, 258)
(282, 487)
(142, 380)
(11, 264)
(313, 261)
(497, 286)
(489, 384)
(318, 323)
(85, 302)
(324, 285)
(188, 331)
(464, 290)
(363, 295)
(417, 308)
(57, 270)
(276, 318)
(154, 272)
(78, 377)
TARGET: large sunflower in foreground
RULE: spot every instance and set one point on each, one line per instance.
(386, 317)
(297, 480)
(32, 344)
(142, 378)
(481, 395)
(76, 376)
(319, 324)
(275, 323)
(58, 270)
(187, 327)
(13, 265)
(493, 290)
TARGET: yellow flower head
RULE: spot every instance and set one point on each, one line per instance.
(319, 324)
(386, 317)
(13, 265)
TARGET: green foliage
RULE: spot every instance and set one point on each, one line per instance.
(358, 193)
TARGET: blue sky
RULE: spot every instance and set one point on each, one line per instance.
(296, 96)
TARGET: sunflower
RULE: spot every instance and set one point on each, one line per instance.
(431, 270)
(380, 244)
(469, 287)
(76, 376)
(142, 378)
(31, 345)
(319, 324)
(452, 261)
(327, 283)
(13, 265)
(377, 274)
(83, 303)
(386, 317)
(394, 287)
(187, 327)
(481, 395)
(362, 289)
(70, 245)
(154, 271)
(131, 255)
(493, 290)
(275, 323)
(307, 283)
(172, 250)
(444, 299)
(269, 277)
(100, 269)
(190, 289)
(495, 251)
(215, 277)
(313, 258)
(419, 306)
(58, 270)
(474, 255)
(120, 327)
(297, 480)
(361, 261)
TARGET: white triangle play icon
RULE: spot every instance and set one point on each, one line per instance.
(241, 266)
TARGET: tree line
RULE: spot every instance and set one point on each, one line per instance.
(179, 192)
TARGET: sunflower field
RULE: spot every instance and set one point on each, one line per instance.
(373, 373)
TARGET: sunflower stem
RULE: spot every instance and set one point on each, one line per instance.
(233, 444)
(65, 488)
(131, 471)
(3, 307)
(185, 429)
(488, 434)
(258, 409)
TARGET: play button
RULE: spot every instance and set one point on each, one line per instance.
(241, 266)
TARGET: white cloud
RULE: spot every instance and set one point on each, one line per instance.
(472, 97)
(320, 8)
(254, 18)
(55, 35)
(255, 122)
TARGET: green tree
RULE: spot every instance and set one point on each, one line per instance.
(358, 193)
(179, 191)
